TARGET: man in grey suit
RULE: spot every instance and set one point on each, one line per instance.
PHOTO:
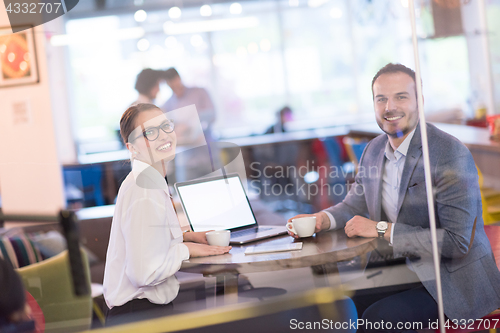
(388, 200)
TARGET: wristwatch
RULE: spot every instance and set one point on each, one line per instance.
(382, 228)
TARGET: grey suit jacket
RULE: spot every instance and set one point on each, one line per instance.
(469, 275)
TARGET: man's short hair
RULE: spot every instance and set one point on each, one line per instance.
(170, 74)
(146, 80)
(394, 68)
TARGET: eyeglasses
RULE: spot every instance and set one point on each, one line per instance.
(152, 133)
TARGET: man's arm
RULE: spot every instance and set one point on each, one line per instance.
(354, 203)
(457, 197)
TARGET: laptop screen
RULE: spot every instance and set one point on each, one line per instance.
(216, 204)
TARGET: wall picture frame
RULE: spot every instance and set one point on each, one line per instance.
(18, 58)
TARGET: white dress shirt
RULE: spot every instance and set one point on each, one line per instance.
(145, 245)
(391, 180)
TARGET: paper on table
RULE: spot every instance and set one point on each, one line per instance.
(273, 248)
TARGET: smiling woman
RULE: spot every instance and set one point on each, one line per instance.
(153, 139)
(146, 245)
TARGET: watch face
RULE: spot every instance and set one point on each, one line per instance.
(382, 225)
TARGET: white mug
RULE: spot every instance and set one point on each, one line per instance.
(219, 237)
(302, 226)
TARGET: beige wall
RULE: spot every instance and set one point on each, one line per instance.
(30, 174)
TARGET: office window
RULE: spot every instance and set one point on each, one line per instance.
(319, 60)
(248, 67)
(318, 57)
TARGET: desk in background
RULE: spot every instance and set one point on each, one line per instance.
(100, 170)
(486, 152)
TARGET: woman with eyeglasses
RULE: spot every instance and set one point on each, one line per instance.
(146, 245)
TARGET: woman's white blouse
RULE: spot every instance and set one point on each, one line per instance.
(145, 246)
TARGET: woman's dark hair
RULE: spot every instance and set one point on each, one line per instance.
(127, 122)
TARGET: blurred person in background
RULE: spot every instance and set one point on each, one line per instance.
(283, 116)
(193, 120)
(183, 96)
(273, 159)
(147, 85)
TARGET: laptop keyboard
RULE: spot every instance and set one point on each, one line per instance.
(246, 232)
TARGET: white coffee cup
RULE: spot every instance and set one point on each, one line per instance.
(302, 226)
(219, 237)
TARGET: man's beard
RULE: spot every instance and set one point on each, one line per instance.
(399, 133)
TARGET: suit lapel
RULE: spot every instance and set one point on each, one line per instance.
(412, 157)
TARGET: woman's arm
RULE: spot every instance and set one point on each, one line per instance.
(152, 254)
(195, 237)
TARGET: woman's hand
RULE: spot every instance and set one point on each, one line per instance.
(202, 250)
(196, 237)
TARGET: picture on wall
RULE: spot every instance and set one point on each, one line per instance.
(18, 58)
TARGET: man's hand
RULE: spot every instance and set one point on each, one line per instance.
(322, 222)
(202, 250)
(363, 227)
(196, 237)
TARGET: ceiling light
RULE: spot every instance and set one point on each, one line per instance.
(206, 10)
(140, 15)
(235, 8)
(171, 28)
(174, 12)
(316, 3)
(143, 44)
(90, 38)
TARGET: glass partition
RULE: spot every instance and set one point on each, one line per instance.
(376, 245)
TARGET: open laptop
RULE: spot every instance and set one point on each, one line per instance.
(219, 203)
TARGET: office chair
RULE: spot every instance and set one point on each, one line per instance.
(51, 284)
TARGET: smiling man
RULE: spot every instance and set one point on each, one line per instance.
(395, 99)
(392, 205)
